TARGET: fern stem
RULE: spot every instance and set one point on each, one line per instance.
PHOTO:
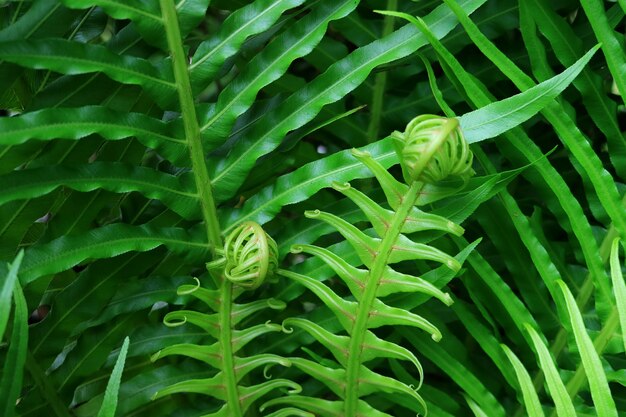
(369, 295)
(203, 184)
(190, 122)
(226, 343)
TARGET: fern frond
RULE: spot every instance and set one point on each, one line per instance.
(428, 153)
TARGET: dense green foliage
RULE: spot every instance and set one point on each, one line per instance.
(145, 143)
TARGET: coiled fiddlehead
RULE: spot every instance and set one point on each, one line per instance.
(431, 149)
(249, 258)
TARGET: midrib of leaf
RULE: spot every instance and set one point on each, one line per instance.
(137, 10)
(102, 64)
(359, 329)
(36, 27)
(217, 47)
(36, 129)
(204, 187)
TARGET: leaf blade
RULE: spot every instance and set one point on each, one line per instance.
(109, 403)
(598, 384)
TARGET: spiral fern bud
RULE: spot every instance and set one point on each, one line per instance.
(251, 256)
(432, 148)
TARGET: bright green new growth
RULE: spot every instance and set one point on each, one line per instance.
(251, 256)
(431, 150)
(109, 403)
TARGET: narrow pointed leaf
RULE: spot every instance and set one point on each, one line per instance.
(13, 369)
(598, 384)
(213, 387)
(243, 366)
(531, 400)
(370, 382)
(243, 311)
(393, 189)
(9, 279)
(378, 216)
(612, 47)
(208, 354)
(496, 118)
(240, 338)
(353, 277)
(107, 241)
(76, 123)
(384, 315)
(419, 220)
(207, 322)
(67, 57)
(374, 347)
(109, 404)
(364, 245)
(251, 394)
(344, 310)
(337, 345)
(335, 379)
(175, 192)
(405, 249)
(393, 282)
(619, 287)
(562, 400)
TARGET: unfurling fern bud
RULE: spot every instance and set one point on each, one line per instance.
(432, 148)
(251, 256)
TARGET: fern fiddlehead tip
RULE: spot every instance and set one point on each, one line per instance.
(295, 249)
(174, 321)
(311, 214)
(251, 256)
(276, 304)
(341, 186)
(187, 289)
(433, 148)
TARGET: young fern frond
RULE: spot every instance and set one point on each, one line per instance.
(249, 259)
(432, 149)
